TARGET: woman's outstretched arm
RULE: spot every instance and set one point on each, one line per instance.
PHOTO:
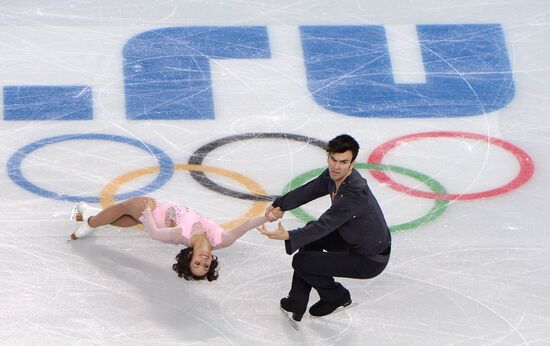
(229, 237)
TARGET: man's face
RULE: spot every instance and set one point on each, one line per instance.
(340, 165)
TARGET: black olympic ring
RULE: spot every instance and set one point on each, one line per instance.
(199, 155)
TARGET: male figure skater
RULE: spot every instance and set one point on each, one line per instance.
(351, 239)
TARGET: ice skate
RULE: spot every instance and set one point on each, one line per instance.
(290, 305)
(83, 211)
(74, 212)
(82, 231)
(293, 323)
(323, 308)
(290, 310)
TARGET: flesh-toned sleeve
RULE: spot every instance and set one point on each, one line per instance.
(229, 237)
(172, 235)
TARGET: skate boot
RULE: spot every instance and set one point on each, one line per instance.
(323, 308)
(83, 212)
(291, 306)
(82, 231)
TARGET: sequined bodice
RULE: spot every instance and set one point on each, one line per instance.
(175, 213)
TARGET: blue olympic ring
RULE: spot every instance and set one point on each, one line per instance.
(15, 161)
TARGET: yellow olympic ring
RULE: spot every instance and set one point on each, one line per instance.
(109, 191)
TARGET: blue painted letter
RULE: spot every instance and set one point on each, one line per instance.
(48, 102)
(167, 71)
(467, 71)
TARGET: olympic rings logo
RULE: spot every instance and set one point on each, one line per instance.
(257, 195)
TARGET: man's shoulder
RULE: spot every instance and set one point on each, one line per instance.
(357, 185)
(356, 179)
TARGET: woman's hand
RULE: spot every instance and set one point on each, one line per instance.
(279, 234)
(149, 203)
(274, 214)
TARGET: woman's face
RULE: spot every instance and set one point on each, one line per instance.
(200, 262)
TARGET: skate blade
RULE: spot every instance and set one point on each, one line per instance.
(288, 317)
(74, 212)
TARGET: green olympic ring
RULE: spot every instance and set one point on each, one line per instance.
(436, 211)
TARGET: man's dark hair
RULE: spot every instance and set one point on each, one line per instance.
(343, 143)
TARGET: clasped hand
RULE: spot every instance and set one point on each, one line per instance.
(274, 214)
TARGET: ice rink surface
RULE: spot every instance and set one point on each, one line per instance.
(104, 100)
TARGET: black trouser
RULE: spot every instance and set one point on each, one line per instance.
(315, 268)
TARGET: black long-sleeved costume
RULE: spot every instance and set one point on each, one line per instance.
(354, 212)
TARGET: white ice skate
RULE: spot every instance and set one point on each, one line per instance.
(74, 212)
(82, 212)
(82, 231)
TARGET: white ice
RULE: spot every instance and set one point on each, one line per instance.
(477, 275)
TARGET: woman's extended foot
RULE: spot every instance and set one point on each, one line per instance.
(83, 212)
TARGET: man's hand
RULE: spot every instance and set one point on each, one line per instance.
(273, 213)
(279, 234)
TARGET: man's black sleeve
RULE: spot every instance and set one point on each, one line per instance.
(314, 189)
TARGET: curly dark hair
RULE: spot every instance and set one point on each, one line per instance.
(184, 271)
(343, 143)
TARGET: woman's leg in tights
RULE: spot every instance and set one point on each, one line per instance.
(125, 221)
(123, 214)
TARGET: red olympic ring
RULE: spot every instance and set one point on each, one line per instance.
(525, 173)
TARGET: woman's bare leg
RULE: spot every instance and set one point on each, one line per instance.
(125, 221)
(123, 214)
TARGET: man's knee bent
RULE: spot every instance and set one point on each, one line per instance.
(298, 261)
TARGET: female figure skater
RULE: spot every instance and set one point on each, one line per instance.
(170, 223)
